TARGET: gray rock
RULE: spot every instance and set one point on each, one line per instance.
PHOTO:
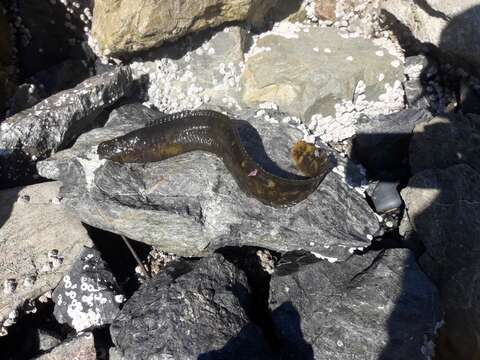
(39, 241)
(57, 121)
(88, 296)
(191, 204)
(81, 347)
(442, 208)
(298, 71)
(186, 313)
(444, 141)
(382, 143)
(369, 307)
(451, 26)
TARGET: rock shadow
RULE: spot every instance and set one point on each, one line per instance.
(296, 348)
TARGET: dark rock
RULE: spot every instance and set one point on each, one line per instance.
(88, 296)
(56, 122)
(81, 347)
(385, 197)
(469, 98)
(443, 207)
(191, 204)
(8, 68)
(373, 306)
(25, 96)
(62, 76)
(444, 141)
(43, 34)
(382, 143)
(190, 312)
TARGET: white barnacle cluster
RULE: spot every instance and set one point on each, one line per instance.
(84, 301)
(54, 261)
(341, 126)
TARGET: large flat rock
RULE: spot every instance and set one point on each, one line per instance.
(310, 71)
(191, 204)
(39, 241)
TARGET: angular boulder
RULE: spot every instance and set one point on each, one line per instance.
(88, 296)
(442, 210)
(190, 204)
(190, 311)
(453, 27)
(372, 306)
(39, 241)
(444, 141)
(127, 26)
(57, 121)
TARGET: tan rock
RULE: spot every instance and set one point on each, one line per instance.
(306, 71)
(39, 241)
(123, 26)
(325, 9)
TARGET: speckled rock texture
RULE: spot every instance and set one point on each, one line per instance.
(81, 347)
(57, 121)
(39, 241)
(446, 140)
(442, 212)
(124, 26)
(452, 26)
(88, 296)
(373, 306)
(297, 68)
(190, 311)
(196, 70)
(190, 204)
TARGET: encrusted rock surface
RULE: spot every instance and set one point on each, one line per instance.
(81, 347)
(190, 311)
(39, 241)
(374, 306)
(194, 71)
(126, 26)
(191, 204)
(88, 295)
(56, 121)
(296, 67)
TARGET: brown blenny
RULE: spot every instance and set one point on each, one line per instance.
(211, 131)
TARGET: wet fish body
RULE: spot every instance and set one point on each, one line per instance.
(214, 132)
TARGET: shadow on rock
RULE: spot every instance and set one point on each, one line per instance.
(290, 327)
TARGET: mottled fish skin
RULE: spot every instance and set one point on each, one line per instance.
(211, 131)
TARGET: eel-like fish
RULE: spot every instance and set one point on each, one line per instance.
(211, 131)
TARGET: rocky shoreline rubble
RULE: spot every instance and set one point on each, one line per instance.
(379, 262)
